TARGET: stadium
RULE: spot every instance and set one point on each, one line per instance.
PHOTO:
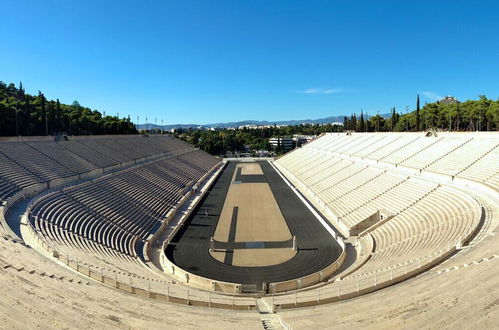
(189, 164)
(384, 229)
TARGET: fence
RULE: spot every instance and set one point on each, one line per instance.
(356, 286)
(158, 290)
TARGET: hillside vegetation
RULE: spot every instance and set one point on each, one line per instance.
(471, 115)
(25, 114)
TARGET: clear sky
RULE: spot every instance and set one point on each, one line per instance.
(212, 61)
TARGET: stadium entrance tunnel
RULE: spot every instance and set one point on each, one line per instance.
(252, 231)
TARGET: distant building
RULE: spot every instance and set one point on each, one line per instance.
(302, 139)
(449, 99)
(285, 143)
(249, 126)
(263, 153)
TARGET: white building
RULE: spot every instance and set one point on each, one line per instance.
(285, 143)
(302, 139)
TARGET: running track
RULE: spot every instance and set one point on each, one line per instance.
(189, 247)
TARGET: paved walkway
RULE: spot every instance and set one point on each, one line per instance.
(15, 214)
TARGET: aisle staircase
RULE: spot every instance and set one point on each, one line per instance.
(270, 319)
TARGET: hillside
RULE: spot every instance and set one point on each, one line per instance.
(25, 114)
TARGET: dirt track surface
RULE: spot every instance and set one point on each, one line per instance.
(251, 214)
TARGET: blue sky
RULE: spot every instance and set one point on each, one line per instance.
(210, 61)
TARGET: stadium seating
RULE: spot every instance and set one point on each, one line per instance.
(34, 162)
(443, 217)
(352, 177)
(420, 181)
(474, 149)
(117, 210)
(24, 164)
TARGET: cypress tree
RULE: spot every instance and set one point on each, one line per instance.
(59, 118)
(51, 116)
(394, 119)
(21, 91)
(44, 118)
(362, 124)
(417, 114)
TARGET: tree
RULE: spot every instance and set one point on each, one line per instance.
(21, 91)
(353, 122)
(458, 117)
(26, 122)
(394, 119)
(59, 127)
(44, 115)
(418, 118)
(25, 114)
(361, 121)
(51, 116)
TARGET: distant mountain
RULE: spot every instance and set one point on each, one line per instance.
(326, 120)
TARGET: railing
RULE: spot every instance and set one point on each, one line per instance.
(346, 288)
(179, 273)
(314, 278)
(354, 287)
(154, 289)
